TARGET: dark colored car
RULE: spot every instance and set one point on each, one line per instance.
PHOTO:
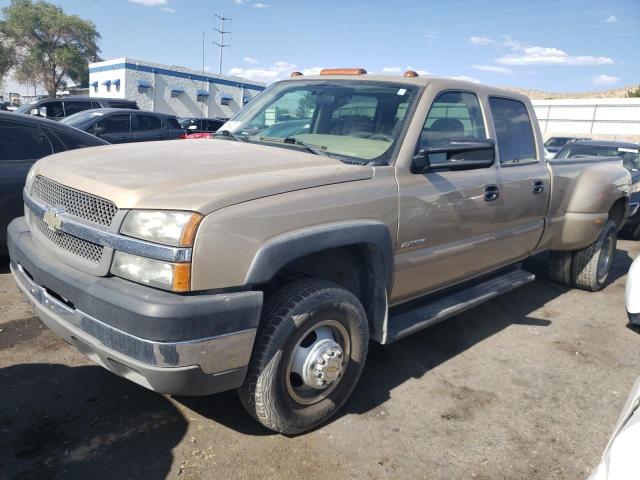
(23, 140)
(192, 125)
(554, 144)
(59, 108)
(629, 152)
(118, 125)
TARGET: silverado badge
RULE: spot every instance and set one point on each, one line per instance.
(52, 218)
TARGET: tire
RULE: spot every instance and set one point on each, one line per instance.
(559, 267)
(273, 392)
(592, 265)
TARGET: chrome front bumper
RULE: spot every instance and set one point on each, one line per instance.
(168, 367)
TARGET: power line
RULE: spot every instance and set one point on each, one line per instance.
(222, 33)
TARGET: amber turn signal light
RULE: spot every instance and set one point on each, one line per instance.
(296, 74)
(343, 71)
(410, 73)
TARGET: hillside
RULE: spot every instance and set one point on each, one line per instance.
(540, 95)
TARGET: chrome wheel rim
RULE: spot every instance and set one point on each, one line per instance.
(604, 262)
(317, 362)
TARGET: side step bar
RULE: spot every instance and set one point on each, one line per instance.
(431, 311)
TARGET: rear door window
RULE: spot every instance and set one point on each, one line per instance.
(173, 123)
(117, 104)
(120, 123)
(148, 122)
(23, 142)
(75, 106)
(514, 132)
(453, 115)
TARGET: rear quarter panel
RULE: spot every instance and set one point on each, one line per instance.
(583, 193)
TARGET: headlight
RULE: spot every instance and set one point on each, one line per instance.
(165, 275)
(162, 226)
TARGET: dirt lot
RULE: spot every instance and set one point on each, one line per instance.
(526, 386)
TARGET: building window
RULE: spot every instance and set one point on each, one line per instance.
(176, 92)
(202, 96)
(226, 100)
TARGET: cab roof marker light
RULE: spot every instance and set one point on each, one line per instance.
(343, 71)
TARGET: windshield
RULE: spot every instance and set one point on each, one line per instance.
(358, 121)
(26, 107)
(80, 118)
(629, 155)
(556, 142)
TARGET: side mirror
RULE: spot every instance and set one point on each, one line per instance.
(42, 111)
(192, 127)
(457, 154)
(97, 131)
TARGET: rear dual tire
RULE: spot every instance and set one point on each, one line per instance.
(588, 268)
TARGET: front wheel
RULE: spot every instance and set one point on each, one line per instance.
(309, 354)
(592, 265)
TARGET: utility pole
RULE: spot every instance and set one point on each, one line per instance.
(222, 33)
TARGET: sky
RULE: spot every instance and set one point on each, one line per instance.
(562, 45)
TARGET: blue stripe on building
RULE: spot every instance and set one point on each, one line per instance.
(173, 73)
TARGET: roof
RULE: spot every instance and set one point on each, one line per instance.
(420, 81)
(81, 97)
(124, 110)
(45, 122)
(606, 143)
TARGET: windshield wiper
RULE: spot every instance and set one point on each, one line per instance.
(227, 133)
(307, 147)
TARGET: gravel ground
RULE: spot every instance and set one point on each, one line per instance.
(526, 386)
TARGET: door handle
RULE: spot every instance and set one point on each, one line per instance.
(538, 187)
(491, 193)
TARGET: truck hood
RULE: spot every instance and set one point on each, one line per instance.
(197, 175)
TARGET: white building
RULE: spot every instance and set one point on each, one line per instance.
(170, 89)
(598, 118)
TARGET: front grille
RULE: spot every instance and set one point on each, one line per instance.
(86, 250)
(80, 204)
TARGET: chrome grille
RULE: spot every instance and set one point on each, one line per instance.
(76, 203)
(86, 250)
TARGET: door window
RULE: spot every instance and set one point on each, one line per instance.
(148, 122)
(75, 106)
(453, 116)
(120, 123)
(514, 132)
(69, 142)
(22, 142)
(54, 109)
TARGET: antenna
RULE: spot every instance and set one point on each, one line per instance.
(222, 33)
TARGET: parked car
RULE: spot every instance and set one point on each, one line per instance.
(632, 292)
(629, 153)
(23, 140)
(267, 264)
(59, 108)
(200, 127)
(554, 144)
(118, 125)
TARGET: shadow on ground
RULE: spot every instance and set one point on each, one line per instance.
(83, 423)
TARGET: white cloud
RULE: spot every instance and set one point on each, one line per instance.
(612, 19)
(535, 55)
(466, 78)
(480, 40)
(260, 5)
(605, 80)
(493, 69)
(391, 69)
(431, 35)
(277, 71)
(167, 9)
(238, 2)
(250, 60)
(150, 3)
(311, 71)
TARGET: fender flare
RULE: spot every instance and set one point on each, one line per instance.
(282, 249)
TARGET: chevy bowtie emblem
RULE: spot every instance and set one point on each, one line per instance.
(52, 218)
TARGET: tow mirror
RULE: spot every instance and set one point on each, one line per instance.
(456, 154)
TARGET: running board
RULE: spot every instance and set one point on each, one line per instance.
(431, 311)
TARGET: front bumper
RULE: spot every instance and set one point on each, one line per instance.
(169, 343)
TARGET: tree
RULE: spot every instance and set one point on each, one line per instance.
(6, 59)
(49, 46)
(633, 93)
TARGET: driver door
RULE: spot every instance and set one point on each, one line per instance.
(447, 217)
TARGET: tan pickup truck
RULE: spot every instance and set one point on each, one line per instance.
(332, 210)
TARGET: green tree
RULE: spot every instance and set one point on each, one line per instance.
(49, 46)
(633, 93)
(6, 60)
